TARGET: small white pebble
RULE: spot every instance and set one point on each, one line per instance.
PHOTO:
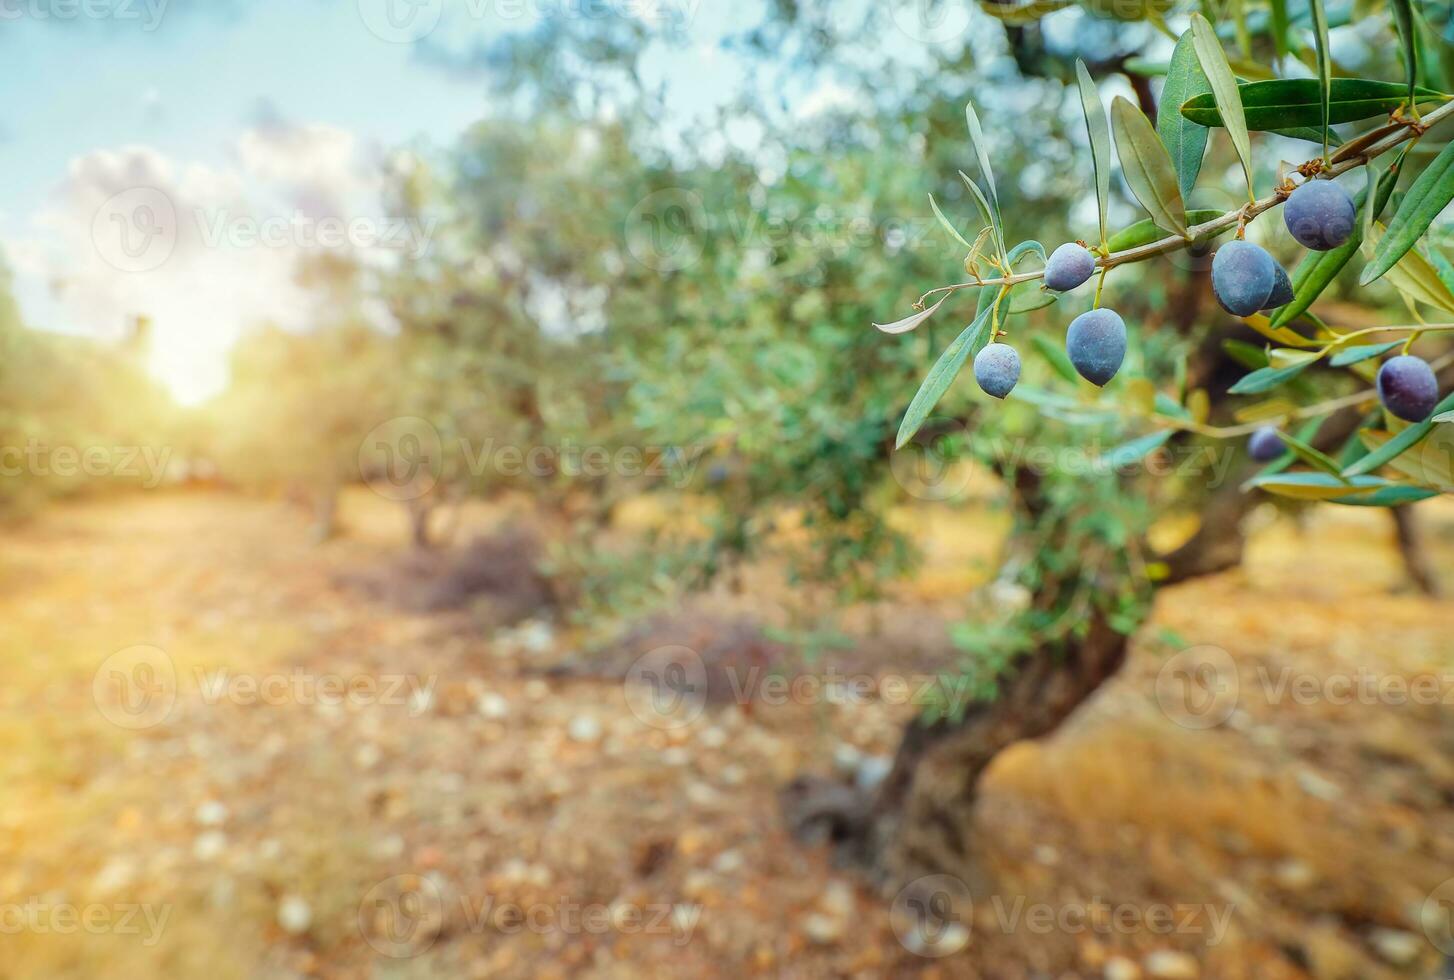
(1120, 968)
(846, 758)
(211, 814)
(1169, 965)
(713, 738)
(728, 862)
(493, 706)
(822, 929)
(584, 728)
(209, 846)
(294, 915)
(367, 756)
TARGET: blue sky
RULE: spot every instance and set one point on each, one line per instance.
(237, 107)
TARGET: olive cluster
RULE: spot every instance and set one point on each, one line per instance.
(1245, 280)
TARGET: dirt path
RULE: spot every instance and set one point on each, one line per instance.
(209, 805)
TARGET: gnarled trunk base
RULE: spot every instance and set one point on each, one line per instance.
(918, 820)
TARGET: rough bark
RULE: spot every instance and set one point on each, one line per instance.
(1411, 549)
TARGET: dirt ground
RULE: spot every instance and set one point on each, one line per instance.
(185, 794)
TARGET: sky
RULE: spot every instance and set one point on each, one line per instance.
(175, 158)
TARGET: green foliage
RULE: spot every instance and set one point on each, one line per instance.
(1185, 140)
(1429, 195)
(1148, 167)
(1289, 103)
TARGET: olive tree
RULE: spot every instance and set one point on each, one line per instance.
(1351, 416)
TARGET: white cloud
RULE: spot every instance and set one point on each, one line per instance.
(205, 251)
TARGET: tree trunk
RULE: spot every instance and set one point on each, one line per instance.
(419, 510)
(1411, 549)
(919, 820)
(325, 513)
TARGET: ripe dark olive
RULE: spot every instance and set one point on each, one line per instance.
(1281, 293)
(1243, 277)
(1407, 387)
(997, 368)
(1096, 343)
(1069, 266)
(1265, 444)
(1320, 215)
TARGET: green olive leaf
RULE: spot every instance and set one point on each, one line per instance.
(1024, 13)
(1390, 496)
(1325, 66)
(1393, 447)
(1280, 27)
(1146, 231)
(1248, 355)
(1224, 88)
(1100, 138)
(1292, 105)
(1310, 455)
(1147, 166)
(942, 375)
(1185, 140)
(989, 215)
(1265, 379)
(1363, 352)
(945, 222)
(1315, 486)
(1134, 451)
(1428, 196)
(1413, 276)
(981, 150)
(1055, 354)
(1403, 17)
